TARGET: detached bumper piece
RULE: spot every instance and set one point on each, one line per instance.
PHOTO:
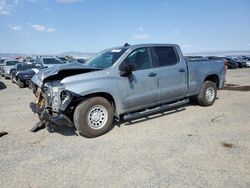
(40, 125)
(58, 119)
(3, 133)
(49, 119)
(35, 108)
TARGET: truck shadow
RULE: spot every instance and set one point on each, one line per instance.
(236, 87)
(2, 86)
(65, 131)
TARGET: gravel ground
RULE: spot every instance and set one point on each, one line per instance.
(192, 147)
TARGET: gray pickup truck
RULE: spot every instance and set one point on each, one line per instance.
(125, 82)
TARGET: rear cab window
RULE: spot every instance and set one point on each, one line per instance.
(164, 55)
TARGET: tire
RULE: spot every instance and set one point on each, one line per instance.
(20, 83)
(12, 79)
(207, 94)
(94, 117)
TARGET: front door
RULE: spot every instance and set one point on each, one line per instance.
(138, 90)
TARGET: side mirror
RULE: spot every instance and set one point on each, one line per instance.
(128, 69)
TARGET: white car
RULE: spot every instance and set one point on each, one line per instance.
(48, 61)
(7, 65)
(248, 61)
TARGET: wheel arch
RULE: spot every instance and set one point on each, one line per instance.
(213, 78)
(105, 95)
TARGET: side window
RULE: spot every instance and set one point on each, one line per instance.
(165, 56)
(140, 58)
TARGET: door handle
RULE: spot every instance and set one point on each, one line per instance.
(152, 74)
(181, 70)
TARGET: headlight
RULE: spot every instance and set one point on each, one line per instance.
(56, 102)
(55, 93)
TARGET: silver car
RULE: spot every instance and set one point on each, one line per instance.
(7, 66)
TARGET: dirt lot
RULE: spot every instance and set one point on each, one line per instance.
(192, 147)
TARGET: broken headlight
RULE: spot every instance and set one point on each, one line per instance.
(53, 96)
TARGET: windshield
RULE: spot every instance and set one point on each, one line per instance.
(10, 63)
(52, 61)
(106, 58)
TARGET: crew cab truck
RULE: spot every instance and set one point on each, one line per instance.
(125, 82)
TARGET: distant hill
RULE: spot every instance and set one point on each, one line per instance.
(221, 53)
(69, 53)
(75, 53)
(88, 54)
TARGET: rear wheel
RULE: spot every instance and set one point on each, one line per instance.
(207, 94)
(94, 117)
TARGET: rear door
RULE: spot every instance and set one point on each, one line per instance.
(171, 73)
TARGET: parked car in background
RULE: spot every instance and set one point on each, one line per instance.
(63, 58)
(81, 60)
(28, 60)
(1, 66)
(47, 61)
(72, 59)
(231, 63)
(23, 72)
(7, 66)
(247, 61)
(125, 82)
(241, 62)
(194, 58)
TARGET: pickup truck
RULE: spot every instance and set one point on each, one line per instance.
(123, 83)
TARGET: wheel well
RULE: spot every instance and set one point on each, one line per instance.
(104, 95)
(213, 78)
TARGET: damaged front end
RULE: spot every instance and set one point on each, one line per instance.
(53, 103)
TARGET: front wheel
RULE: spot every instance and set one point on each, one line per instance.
(20, 83)
(207, 94)
(12, 79)
(94, 117)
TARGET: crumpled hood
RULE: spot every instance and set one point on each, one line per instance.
(60, 72)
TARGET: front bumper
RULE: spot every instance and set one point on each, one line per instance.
(55, 117)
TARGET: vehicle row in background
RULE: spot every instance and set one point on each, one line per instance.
(21, 69)
(232, 62)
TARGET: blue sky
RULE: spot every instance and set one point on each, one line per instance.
(55, 26)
